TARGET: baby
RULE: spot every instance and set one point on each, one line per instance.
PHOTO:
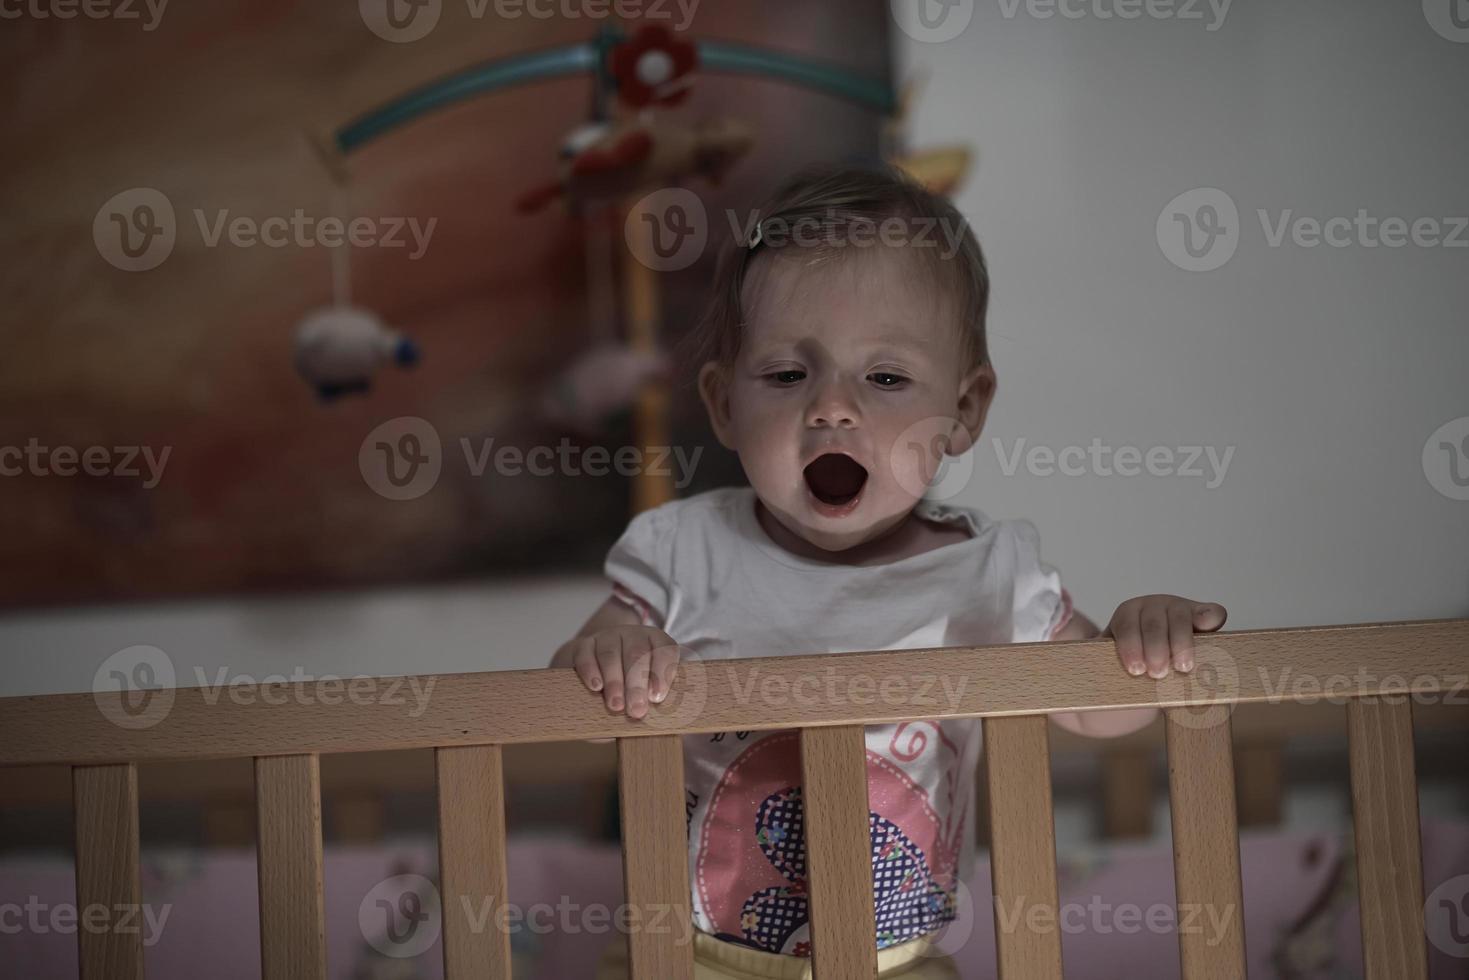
(843, 356)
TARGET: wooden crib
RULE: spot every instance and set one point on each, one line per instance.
(1377, 671)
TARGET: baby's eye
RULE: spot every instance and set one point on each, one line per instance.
(886, 379)
(786, 377)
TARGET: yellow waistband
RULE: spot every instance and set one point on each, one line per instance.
(732, 957)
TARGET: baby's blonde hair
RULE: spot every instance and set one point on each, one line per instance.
(835, 201)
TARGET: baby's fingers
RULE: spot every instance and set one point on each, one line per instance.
(1181, 634)
(584, 661)
(1129, 634)
(1157, 648)
(1209, 616)
(609, 662)
(636, 661)
(663, 669)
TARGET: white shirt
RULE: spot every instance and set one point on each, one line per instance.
(704, 571)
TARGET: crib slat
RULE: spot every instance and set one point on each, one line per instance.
(106, 803)
(472, 864)
(1211, 935)
(288, 842)
(1017, 755)
(655, 857)
(838, 852)
(1389, 855)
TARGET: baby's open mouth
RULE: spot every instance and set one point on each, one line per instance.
(835, 478)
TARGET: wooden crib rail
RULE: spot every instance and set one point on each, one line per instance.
(505, 707)
(467, 717)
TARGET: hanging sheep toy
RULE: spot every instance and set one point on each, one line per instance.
(340, 349)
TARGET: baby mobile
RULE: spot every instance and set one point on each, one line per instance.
(605, 165)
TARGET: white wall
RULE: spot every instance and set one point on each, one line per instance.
(434, 629)
(1326, 368)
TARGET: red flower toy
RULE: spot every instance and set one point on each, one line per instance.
(652, 67)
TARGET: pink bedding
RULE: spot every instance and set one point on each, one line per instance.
(1116, 911)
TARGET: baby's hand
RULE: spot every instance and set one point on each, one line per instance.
(628, 664)
(1154, 630)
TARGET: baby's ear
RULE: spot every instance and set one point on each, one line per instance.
(976, 392)
(714, 392)
(960, 441)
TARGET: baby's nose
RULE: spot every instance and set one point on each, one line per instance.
(836, 419)
(833, 410)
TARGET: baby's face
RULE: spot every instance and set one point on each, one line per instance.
(847, 388)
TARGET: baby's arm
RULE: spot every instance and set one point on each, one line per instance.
(1098, 724)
